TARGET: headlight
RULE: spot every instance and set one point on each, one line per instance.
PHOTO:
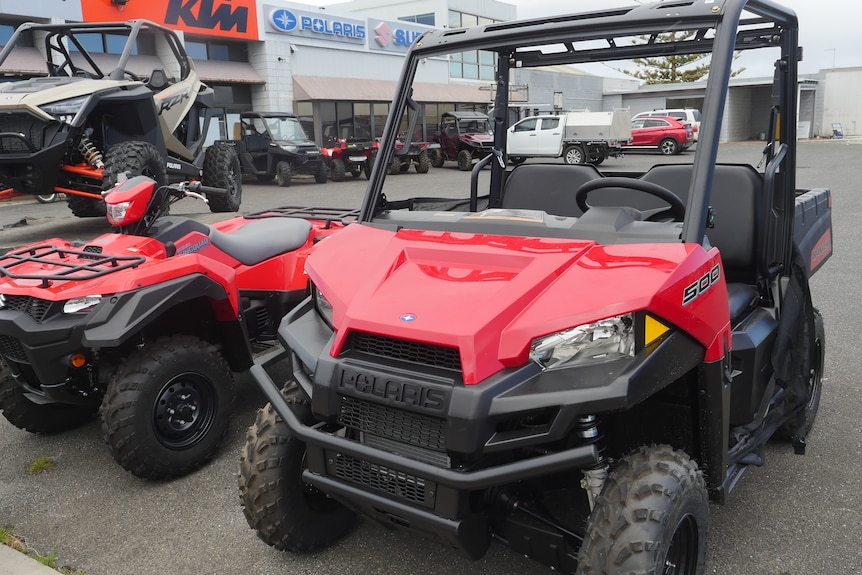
(82, 304)
(65, 110)
(604, 340)
(322, 305)
(289, 149)
(117, 212)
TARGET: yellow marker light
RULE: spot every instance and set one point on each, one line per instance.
(653, 329)
(78, 360)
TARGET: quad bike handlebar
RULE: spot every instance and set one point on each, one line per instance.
(134, 204)
(197, 188)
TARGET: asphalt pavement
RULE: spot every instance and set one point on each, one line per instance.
(795, 515)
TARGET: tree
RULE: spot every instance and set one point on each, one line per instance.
(672, 69)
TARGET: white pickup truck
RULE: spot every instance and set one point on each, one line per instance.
(579, 137)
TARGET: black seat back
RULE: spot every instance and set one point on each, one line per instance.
(158, 80)
(737, 201)
(547, 187)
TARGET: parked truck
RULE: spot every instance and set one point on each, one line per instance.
(577, 137)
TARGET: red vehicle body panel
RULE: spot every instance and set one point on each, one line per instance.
(490, 296)
(282, 273)
(652, 136)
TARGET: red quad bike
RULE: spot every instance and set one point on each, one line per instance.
(349, 156)
(408, 154)
(149, 322)
(566, 361)
(407, 148)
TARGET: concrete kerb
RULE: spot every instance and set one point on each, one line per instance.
(15, 563)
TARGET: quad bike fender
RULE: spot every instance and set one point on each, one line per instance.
(126, 314)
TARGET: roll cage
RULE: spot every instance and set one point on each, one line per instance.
(60, 38)
(723, 27)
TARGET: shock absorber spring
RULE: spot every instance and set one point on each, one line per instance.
(590, 433)
(91, 153)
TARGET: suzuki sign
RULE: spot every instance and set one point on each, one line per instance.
(393, 36)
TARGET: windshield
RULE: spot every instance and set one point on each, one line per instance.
(572, 67)
(285, 129)
(474, 126)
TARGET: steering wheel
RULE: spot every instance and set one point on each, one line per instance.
(676, 209)
(132, 75)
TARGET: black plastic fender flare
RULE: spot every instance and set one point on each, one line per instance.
(123, 315)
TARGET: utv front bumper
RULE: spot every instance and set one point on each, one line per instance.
(31, 151)
(420, 447)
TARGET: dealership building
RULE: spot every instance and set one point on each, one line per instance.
(336, 66)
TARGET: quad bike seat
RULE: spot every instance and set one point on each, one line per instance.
(262, 239)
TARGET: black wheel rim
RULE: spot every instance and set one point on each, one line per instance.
(681, 558)
(815, 374)
(184, 410)
(232, 177)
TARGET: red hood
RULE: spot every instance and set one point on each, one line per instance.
(480, 137)
(490, 296)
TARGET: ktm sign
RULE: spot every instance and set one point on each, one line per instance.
(227, 18)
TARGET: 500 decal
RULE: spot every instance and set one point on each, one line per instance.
(701, 286)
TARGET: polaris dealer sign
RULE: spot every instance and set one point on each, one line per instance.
(315, 25)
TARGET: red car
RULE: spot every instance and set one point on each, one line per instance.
(668, 135)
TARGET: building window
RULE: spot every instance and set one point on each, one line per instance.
(380, 113)
(427, 19)
(305, 111)
(213, 50)
(475, 64)
(6, 31)
(196, 50)
(102, 43)
(233, 97)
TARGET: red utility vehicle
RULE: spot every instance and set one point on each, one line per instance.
(464, 137)
(148, 322)
(566, 361)
(667, 135)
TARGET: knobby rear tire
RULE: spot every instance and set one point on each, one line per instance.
(222, 170)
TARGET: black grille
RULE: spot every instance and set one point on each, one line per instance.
(31, 127)
(403, 426)
(380, 478)
(414, 352)
(12, 349)
(34, 307)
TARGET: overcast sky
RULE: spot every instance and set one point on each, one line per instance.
(829, 30)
